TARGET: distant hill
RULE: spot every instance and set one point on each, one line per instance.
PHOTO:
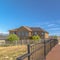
(3, 36)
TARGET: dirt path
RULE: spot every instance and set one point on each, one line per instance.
(54, 54)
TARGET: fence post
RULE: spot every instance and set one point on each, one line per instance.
(50, 45)
(29, 51)
(57, 41)
(54, 42)
(44, 50)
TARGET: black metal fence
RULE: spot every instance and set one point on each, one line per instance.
(38, 51)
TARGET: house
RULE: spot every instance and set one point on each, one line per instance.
(25, 32)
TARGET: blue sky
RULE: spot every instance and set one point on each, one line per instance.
(41, 13)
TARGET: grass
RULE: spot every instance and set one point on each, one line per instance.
(12, 52)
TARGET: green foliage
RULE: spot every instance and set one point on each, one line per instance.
(55, 37)
(36, 37)
(13, 37)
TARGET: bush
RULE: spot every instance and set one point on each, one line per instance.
(13, 37)
(36, 38)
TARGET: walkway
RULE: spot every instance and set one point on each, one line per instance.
(54, 54)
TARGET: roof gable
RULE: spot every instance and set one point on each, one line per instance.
(38, 29)
(26, 28)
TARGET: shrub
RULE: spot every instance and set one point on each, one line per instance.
(13, 37)
(36, 38)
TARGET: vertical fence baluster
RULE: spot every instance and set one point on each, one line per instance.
(44, 50)
(50, 44)
(29, 51)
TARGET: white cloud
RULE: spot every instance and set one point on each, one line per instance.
(4, 32)
(54, 29)
(50, 25)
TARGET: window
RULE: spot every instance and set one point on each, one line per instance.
(42, 33)
(26, 33)
(19, 33)
(35, 33)
(22, 33)
(14, 32)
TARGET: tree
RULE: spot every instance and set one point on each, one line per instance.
(55, 37)
(36, 38)
(12, 38)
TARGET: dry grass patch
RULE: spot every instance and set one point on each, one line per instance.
(11, 52)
